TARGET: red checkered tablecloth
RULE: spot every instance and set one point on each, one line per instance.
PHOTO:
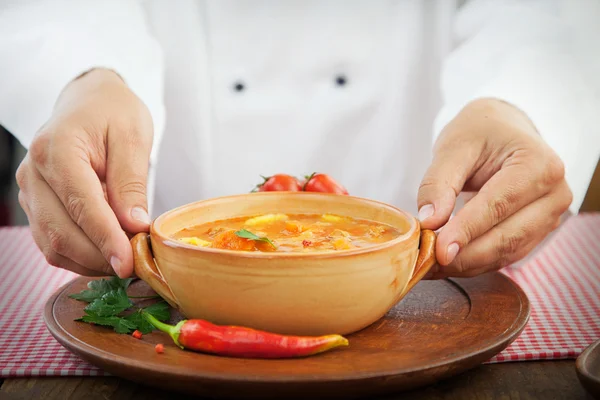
(562, 281)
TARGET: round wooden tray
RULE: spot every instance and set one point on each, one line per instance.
(439, 329)
(588, 369)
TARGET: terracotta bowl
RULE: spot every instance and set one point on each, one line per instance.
(289, 293)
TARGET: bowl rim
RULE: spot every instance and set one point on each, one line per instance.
(170, 242)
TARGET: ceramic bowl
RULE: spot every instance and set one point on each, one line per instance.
(289, 293)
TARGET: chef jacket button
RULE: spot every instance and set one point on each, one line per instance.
(239, 86)
(340, 80)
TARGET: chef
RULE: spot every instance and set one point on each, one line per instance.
(130, 108)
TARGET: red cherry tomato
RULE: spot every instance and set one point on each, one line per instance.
(323, 183)
(279, 183)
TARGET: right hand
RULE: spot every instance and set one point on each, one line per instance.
(83, 181)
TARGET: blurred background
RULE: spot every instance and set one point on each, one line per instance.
(11, 154)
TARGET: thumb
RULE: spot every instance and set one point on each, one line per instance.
(126, 177)
(453, 163)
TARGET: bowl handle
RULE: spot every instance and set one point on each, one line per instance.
(145, 268)
(425, 259)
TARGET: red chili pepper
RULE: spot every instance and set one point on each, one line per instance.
(159, 348)
(137, 334)
(235, 341)
(306, 243)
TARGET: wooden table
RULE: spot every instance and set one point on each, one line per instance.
(545, 380)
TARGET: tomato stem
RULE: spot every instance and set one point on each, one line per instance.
(265, 179)
(307, 179)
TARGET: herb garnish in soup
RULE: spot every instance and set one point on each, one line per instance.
(288, 233)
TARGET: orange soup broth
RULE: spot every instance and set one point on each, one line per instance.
(290, 233)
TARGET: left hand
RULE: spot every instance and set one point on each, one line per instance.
(493, 149)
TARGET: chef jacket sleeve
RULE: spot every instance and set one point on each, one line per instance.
(544, 58)
(45, 44)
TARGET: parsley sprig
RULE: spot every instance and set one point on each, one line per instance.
(109, 305)
(243, 233)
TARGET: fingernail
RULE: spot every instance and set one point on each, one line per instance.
(425, 212)
(451, 252)
(139, 214)
(115, 263)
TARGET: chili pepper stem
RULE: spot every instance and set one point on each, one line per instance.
(172, 330)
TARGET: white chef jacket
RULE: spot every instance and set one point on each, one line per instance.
(356, 89)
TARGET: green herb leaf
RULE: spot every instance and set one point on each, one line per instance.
(243, 233)
(110, 304)
(160, 310)
(120, 325)
(108, 298)
(140, 322)
(99, 287)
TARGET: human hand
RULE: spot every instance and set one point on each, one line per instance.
(491, 148)
(83, 181)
